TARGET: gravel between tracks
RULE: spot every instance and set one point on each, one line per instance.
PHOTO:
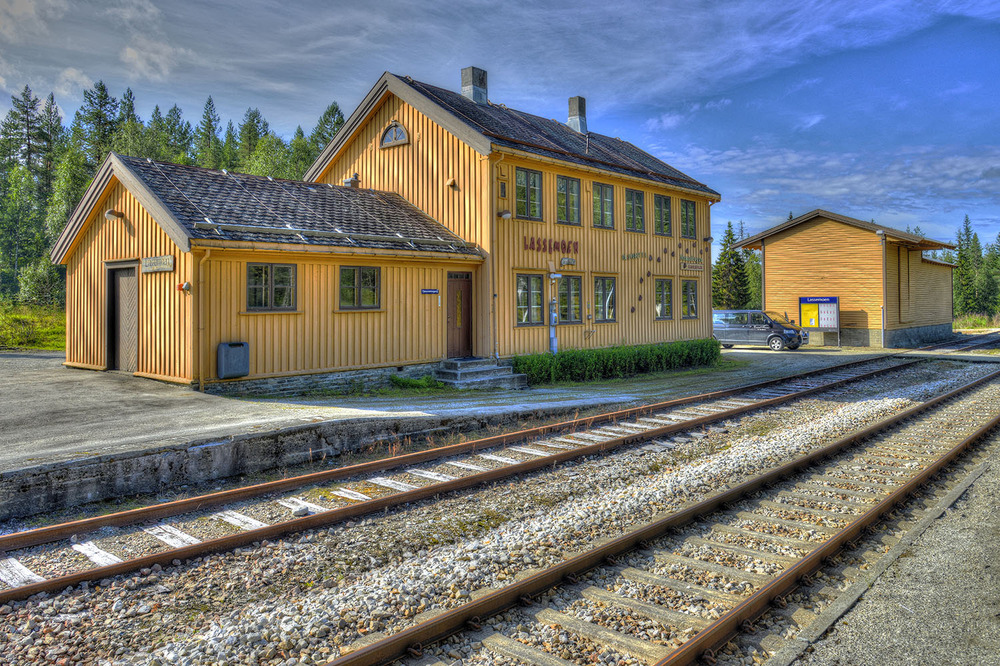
(939, 603)
(298, 600)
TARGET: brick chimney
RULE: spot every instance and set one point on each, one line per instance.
(474, 84)
(578, 114)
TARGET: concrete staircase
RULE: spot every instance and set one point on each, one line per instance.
(479, 373)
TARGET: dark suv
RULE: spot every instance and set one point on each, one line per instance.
(754, 327)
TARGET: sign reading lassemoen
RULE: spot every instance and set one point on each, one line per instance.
(821, 313)
(692, 263)
(163, 264)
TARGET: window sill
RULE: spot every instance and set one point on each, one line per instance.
(569, 224)
(519, 325)
(604, 228)
(636, 231)
(669, 318)
(272, 312)
(694, 317)
(605, 321)
(530, 219)
(570, 323)
(662, 235)
(356, 310)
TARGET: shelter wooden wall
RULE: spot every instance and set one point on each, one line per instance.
(165, 344)
(825, 258)
(409, 327)
(647, 256)
(918, 292)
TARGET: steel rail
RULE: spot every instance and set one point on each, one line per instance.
(331, 516)
(48, 534)
(450, 622)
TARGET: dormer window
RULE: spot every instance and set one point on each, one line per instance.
(394, 135)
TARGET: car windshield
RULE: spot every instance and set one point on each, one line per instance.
(777, 317)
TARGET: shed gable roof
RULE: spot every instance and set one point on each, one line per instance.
(917, 241)
(486, 127)
(192, 203)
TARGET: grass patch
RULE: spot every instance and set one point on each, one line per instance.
(32, 327)
(976, 321)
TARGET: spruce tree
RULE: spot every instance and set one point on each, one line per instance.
(329, 123)
(252, 129)
(207, 146)
(729, 281)
(229, 155)
(69, 183)
(179, 136)
(98, 118)
(301, 154)
(25, 122)
(965, 270)
(752, 269)
(50, 138)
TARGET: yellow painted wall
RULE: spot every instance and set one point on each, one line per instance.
(919, 292)
(410, 327)
(165, 345)
(600, 253)
(825, 258)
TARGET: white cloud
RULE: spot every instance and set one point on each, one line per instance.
(71, 82)
(132, 12)
(150, 58)
(718, 103)
(810, 120)
(665, 121)
(21, 20)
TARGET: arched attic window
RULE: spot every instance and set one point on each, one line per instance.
(394, 135)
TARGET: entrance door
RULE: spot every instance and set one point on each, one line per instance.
(459, 315)
(123, 319)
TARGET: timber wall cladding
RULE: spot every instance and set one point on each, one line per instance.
(318, 337)
(825, 258)
(419, 169)
(164, 335)
(598, 252)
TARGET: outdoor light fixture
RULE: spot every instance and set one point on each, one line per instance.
(708, 239)
(111, 215)
(504, 215)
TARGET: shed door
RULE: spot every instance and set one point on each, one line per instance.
(123, 320)
(459, 315)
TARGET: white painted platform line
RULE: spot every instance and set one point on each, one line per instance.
(239, 520)
(386, 482)
(16, 574)
(435, 476)
(500, 459)
(297, 503)
(350, 494)
(529, 451)
(474, 468)
(101, 558)
(171, 535)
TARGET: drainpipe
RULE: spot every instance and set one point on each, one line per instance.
(202, 316)
(494, 279)
(881, 235)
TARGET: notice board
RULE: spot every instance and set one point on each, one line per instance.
(819, 313)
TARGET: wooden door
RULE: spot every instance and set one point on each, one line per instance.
(459, 315)
(123, 320)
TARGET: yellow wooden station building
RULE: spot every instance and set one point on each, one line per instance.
(436, 225)
(889, 293)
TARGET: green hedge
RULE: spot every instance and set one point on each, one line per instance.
(580, 365)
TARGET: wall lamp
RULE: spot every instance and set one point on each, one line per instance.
(111, 215)
(708, 239)
(504, 215)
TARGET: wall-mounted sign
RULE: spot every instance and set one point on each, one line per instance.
(164, 264)
(635, 255)
(551, 245)
(821, 313)
(428, 291)
(567, 261)
(692, 263)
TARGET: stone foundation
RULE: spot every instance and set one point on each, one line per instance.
(349, 381)
(872, 337)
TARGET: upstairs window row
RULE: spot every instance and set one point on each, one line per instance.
(528, 204)
(531, 308)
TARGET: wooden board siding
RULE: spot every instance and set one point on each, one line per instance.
(929, 289)
(600, 254)
(319, 337)
(164, 342)
(825, 258)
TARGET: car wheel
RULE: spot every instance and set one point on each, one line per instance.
(776, 343)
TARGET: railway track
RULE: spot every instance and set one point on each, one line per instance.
(680, 586)
(54, 557)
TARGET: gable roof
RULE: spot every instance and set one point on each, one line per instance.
(918, 242)
(192, 203)
(486, 127)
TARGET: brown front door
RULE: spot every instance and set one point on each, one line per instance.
(459, 315)
(123, 320)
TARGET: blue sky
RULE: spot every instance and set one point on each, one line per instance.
(876, 109)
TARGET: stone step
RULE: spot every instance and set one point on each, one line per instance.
(467, 363)
(503, 382)
(473, 373)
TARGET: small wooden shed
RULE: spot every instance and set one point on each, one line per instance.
(890, 294)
